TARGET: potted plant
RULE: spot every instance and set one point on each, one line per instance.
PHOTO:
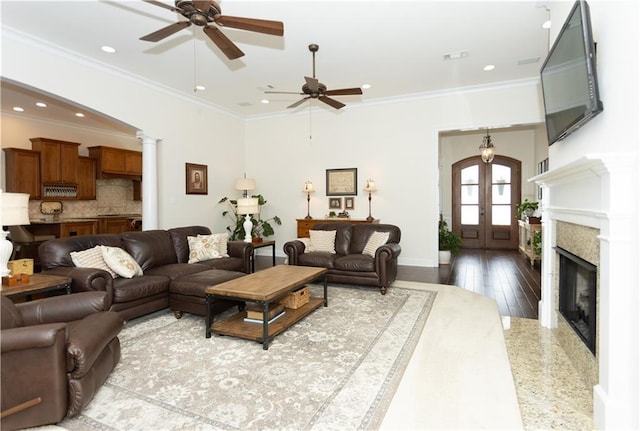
(526, 209)
(261, 228)
(449, 243)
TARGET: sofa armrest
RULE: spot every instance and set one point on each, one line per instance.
(388, 252)
(33, 337)
(243, 250)
(86, 279)
(293, 249)
(63, 308)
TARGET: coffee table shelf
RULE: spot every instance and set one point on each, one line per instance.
(235, 325)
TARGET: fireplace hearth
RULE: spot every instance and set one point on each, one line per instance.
(577, 295)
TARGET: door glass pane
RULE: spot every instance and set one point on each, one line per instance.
(501, 215)
(469, 214)
(470, 175)
(500, 174)
(501, 194)
(469, 195)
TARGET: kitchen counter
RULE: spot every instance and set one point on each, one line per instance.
(63, 227)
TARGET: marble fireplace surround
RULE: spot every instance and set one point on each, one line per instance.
(585, 208)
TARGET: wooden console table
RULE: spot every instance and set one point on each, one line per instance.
(306, 224)
(526, 234)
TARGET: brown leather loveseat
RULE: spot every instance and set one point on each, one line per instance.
(163, 256)
(349, 264)
(56, 353)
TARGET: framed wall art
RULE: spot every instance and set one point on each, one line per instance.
(342, 182)
(335, 203)
(349, 204)
(196, 179)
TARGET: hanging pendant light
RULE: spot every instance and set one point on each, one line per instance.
(487, 150)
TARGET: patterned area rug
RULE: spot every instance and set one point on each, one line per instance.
(337, 369)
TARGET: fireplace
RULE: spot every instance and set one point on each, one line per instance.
(577, 295)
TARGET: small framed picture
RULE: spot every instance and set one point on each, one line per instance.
(196, 179)
(348, 204)
(335, 203)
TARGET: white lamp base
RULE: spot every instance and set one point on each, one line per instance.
(6, 248)
(247, 225)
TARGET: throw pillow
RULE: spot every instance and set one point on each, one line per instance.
(221, 240)
(322, 240)
(91, 258)
(120, 261)
(202, 248)
(375, 240)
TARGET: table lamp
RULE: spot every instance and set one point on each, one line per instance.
(369, 186)
(246, 207)
(15, 211)
(245, 184)
(308, 189)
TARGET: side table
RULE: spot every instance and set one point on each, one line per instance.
(38, 283)
(260, 245)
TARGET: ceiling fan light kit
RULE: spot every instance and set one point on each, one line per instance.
(204, 14)
(314, 89)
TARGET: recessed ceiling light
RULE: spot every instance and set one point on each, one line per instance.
(546, 24)
(265, 101)
(488, 67)
(18, 108)
(41, 104)
(366, 86)
(108, 49)
(79, 115)
(200, 88)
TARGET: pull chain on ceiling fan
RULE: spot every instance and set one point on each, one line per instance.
(313, 89)
(204, 13)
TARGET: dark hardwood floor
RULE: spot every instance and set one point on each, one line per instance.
(503, 275)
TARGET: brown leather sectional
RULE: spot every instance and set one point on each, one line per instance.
(168, 279)
(348, 264)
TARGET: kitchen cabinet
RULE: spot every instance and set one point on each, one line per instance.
(117, 162)
(78, 228)
(115, 225)
(23, 172)
(58, 161)
(86, 178)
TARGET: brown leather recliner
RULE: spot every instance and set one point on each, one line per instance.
(59, 349)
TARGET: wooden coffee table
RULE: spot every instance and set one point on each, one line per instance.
(264, 287)
(38, 283)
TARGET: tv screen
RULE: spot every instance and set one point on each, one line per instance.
(568, 76)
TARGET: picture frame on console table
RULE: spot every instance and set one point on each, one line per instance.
(335, 203)
(196, 179)
(349, 204)
(342, 182)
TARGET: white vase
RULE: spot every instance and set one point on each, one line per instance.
(444, 257)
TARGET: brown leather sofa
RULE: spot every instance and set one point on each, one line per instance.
(348, 264)
(163, 257)
(59, 350)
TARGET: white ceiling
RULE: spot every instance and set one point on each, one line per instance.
(395, 46)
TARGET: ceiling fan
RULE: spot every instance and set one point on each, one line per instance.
(205, 12)
(314, 89)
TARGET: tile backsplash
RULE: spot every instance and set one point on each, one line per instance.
(113, 196)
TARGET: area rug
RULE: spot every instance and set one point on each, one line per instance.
(337, 369)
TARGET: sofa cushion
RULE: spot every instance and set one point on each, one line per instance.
(179, 237)
(355, 262)
(376, 240)
(322, 241)
(196, 284)
(202, 248)
(150, 248)
(120, 261)
(132, 289)
(55, 253)
(321, 259)
(343, 235)
(176, 270)
(91, 258)
(221, 239)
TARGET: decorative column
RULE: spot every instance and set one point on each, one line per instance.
(150, 181)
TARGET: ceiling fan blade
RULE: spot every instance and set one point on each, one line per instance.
(164, 5)
(299, 102)
(344, 92)
(223, 42)
(312, 83)
(275, 28)
(331, 102)
(284, 92)
(166, 31)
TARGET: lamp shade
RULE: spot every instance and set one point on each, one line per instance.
(308, 187)
(245, 184)
(369, 186)
(248, 206)
(15, 209)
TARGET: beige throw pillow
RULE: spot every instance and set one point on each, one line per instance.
(202, 248)
(120, 261)
(221, 239)
(91, 258)
(322, 240)
(376, 240)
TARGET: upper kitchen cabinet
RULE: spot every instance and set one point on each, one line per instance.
(117, 162)
(23, 172)
(58, 161)
(86, 178)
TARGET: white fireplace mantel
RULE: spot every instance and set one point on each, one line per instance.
(594, 191)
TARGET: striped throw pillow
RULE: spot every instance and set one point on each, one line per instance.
(322, 240)
(91, 258)
(376, 240)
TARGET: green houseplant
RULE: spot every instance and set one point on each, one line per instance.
(261, 228)
(449, 242)
(527, 208)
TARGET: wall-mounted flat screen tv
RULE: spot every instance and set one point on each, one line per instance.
(568, 75)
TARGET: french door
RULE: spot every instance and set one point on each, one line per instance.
(484, 197)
